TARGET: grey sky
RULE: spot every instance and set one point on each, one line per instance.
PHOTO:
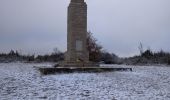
(38, 26)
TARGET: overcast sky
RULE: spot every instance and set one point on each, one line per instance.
(38, 26)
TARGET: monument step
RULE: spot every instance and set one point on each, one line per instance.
(46, 71)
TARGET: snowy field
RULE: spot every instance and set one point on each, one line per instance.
(19, 81)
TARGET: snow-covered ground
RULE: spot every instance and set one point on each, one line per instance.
(19, 81)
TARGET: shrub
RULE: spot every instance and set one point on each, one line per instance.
(169, 61)
(147, 54)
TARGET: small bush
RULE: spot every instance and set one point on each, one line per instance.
(147, 54)
(169, 62)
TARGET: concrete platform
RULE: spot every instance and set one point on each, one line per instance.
(46, 71)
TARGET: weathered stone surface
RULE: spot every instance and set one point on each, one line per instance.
(46, 71)
(77, 32)
(77, 54)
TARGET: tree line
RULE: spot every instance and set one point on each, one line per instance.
(15, 56)
(96, 54)
(149, 57)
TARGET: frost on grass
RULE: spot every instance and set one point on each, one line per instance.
(24, 82)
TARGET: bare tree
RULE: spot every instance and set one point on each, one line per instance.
(56, 51)
(94, 48)
(140, 48)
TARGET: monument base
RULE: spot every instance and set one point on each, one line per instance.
(72, 67)
(46, 71)
(77, 64)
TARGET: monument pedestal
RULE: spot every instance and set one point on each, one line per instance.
(46, 71)
(78, 64)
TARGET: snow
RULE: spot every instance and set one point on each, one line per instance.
(21, 81)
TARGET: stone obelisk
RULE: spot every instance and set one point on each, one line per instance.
(77, 53)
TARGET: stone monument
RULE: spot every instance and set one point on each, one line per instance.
(77, 54)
